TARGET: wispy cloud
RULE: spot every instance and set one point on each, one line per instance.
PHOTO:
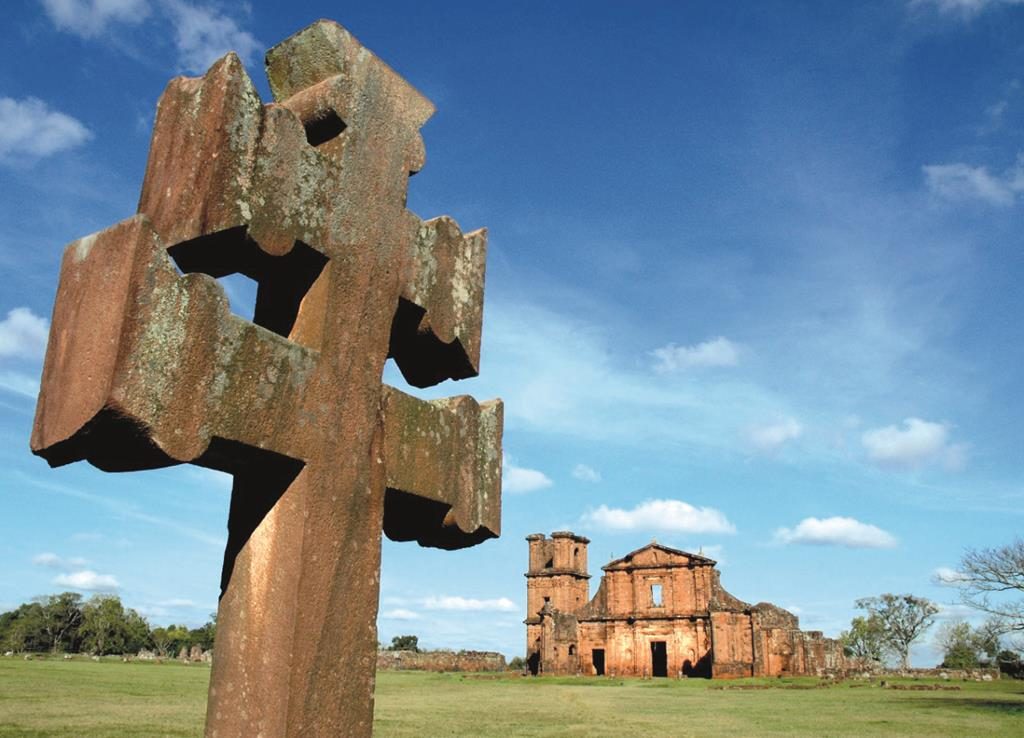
(19, 383)
(916, 443)
(560, 375)
(53, 561)
(836, 531)
(400, 613)
(519, 479)
(963, 182)
(715, 352)
(585, 473)
(30, 129)
(773, 436)
(947, 576)
(91, 18)
(995, 114)
(962, 9)
(88, 580)
(949, 611)
(203, 34)
(211, 478)
(469, 604)
(124, 510)
(659, 515)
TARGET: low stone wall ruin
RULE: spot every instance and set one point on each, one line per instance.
(959, 675)
(440, 661)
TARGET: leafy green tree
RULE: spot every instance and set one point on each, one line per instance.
(905, 618)
(405, 643)
(959, 645)
(107, 627)
(136, 634)
(865, 640)
(23, 630)
(61, 617)
(1010, 663)
(205, 635)
(161, 640)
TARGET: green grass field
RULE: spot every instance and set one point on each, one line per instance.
(110, 698)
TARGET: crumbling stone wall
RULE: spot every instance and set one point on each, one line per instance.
(439, 661)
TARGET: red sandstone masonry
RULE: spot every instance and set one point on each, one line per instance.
(658, 611)
(440, 661)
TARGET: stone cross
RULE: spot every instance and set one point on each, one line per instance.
(146, 366)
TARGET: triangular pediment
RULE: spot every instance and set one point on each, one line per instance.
(655, 554)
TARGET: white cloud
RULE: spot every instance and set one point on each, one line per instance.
(469, 604)
(562, 376)
(518, 479)
(914, 444)
(400, 613)
(30, 129)
(661, 515)
(88, 580)
(961, 182)
(23, 333)
(202, 35)
(770, 438)
(965, 9)
(947, 576)
(53, 561)
(176, 603)
(836, 531)
(586, 474)
(90, 18)
(716, 352)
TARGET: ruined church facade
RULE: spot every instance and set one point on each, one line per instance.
(658, 612)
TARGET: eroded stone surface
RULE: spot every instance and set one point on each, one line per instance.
(657, 612)
(147, 366)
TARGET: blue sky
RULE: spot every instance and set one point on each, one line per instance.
(753, 287)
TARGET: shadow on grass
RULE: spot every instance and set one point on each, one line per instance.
(989, 704)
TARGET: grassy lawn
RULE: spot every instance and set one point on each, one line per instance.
(85, 698)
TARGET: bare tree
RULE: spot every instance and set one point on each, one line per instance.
(904, 617)
(989, 578)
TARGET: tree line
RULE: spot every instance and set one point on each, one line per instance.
(988, 581)
(101, 625)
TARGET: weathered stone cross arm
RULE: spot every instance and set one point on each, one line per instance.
(139, 389)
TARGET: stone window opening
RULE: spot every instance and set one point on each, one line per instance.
(281, 282)
(549, 564)
(656, 596)
(572, 650)
(325, 126)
